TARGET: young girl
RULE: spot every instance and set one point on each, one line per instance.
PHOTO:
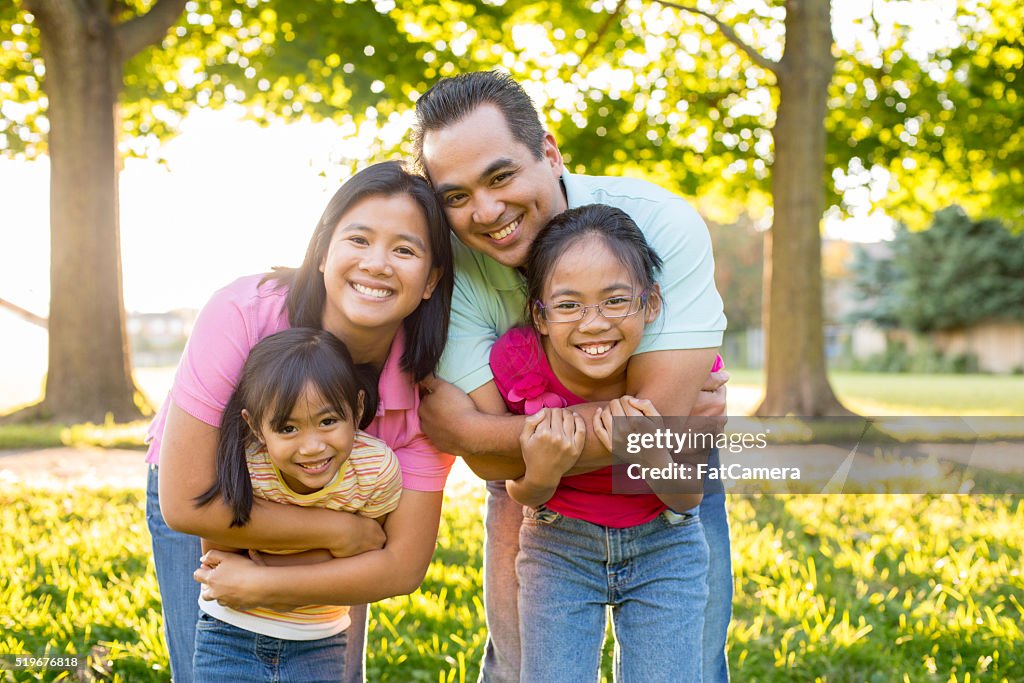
(591, 289)
(291, 434)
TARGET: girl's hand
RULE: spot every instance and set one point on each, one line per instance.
(626, 406)
(232, 580)
(552, 441)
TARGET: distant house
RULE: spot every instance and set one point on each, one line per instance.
(996, 346)
(157, 339)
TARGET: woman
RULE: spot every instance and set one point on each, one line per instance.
(377, 275)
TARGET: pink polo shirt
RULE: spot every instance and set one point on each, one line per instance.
(243, 313)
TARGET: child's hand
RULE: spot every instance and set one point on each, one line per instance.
(552, 441)
(626, 406)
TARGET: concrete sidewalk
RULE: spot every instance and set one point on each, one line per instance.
(65, 467)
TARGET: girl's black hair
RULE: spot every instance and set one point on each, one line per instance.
(274, 377)
(426, 328)
(614, 226)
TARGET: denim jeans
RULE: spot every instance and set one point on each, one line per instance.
(502, 520)
(176, 556)
(228, 654)
(652, 576)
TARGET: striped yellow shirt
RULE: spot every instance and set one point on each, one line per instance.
(368, 483)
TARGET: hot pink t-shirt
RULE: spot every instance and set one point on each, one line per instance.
(526, 382)
(243, 313)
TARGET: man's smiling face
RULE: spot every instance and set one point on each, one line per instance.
(498, 195)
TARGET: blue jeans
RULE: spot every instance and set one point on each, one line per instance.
(176, 556)
(502, 520)
(228, 654)
(653, 576)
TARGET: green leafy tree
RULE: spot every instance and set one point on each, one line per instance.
(96, 79)
(957, 273)
(739, 259)
(753, 103)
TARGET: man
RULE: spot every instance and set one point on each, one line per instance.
(501, 179)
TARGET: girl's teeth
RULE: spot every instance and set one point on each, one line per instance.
(314, 465)
(378, 293)
(596, 350)
(505, 232)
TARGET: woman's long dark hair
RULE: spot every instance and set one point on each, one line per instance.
(426, 328)
(274, 377)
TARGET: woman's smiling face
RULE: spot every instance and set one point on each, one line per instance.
(377, 268)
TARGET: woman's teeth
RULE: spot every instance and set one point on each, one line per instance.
(506, 231)
(377, 293)
(596, 350)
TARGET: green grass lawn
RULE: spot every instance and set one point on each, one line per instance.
(828, 588)
(901, 394)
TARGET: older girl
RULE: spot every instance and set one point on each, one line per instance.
(584, 547)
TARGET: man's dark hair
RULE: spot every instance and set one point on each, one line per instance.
(452, 99)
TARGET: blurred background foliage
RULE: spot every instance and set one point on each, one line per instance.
(924, 105)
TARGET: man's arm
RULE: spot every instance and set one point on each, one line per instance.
(475, 427)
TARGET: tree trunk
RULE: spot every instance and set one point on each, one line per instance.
(796, 380)
(89, 373)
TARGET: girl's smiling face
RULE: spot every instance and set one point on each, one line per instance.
(313, 443)
(589, 356)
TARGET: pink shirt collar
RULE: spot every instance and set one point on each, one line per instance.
(397, 390)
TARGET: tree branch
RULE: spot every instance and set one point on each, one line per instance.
(603, 30)
(149, 28)
(730, 34)
(24, 314)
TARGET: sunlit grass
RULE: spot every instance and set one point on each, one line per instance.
(828, 588)
(900, 394)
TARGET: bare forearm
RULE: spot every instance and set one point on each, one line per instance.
(397, 569)
(274, 526)
(529, 493)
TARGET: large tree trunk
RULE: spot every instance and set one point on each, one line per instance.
(89, 373)
(795, 368)
(84, 50)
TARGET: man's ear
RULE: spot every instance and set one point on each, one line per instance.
(553, 155)
(248, 420)
(435, 277)
(653, 308)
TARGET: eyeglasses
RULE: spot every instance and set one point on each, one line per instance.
(612, 307)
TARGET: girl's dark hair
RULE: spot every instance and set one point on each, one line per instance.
(274, 377)
(426, 328)
(614, 226)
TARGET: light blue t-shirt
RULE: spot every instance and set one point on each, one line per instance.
(490, 298)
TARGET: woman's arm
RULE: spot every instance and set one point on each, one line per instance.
(396, 569)
(188, 458)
